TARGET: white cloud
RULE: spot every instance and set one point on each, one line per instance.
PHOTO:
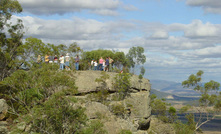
(112, 34)
(42, 7)
(130, 8)
(198, 48)
(209, 6)
(160, 35)
(89, 33)
(105, 12)
(209, 52)
(198, 29)
(100, 7)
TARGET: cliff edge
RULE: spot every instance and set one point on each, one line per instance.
(131, 113)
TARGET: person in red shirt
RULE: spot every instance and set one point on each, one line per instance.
(100, 63)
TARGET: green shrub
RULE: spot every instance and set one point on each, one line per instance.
(57, 116)
(124, 131)
(181, 128)
(118, 109)
(102, 80)
(172, 114)
(122, 85)
(95, 127)
(25, 89)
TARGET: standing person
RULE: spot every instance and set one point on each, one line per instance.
(92, 64)
(103, 65)
(77, 62)
(55, 59)
(51, 59)
(107, 64)
(39, 59)
(95, 65)
(110, 64)
(46, 58)
(67, 64)
(61, 59)
(100, 63)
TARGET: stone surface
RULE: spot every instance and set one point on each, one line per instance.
(136, 105)
(3, 127)
(159, 127)
(85, 81)
(140, 104)
(96, 109)
(3, 109)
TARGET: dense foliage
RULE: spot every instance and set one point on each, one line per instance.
(9, 44)
(122, 85)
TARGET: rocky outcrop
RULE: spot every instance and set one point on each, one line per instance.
(3, 112)
(132, 113)
(85, 81)
(3, 109)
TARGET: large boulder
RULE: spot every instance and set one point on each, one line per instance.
(112, 124)
(3, 109)
(134, 111)
(85, 81)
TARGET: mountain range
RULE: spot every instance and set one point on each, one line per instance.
(173, 88)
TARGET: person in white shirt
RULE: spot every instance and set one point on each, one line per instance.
(95, 65)
(92, 64)
(61, 59)
(67, 59)
(103, 66)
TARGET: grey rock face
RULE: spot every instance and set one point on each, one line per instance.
(3, 112)
(136, 106)
(3, 109)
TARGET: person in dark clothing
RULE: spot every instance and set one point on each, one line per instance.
(107, 64)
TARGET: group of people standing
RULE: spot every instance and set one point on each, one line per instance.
(102, 64)
(64, 61)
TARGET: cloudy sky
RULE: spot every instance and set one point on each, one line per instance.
(180, 37)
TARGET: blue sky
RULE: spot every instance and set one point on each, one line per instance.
(180, 37)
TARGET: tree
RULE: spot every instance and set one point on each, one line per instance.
(122, 85)
(9, 45)
(74, 48)
(136, 56)
(25, 89)
(118, 57)
(209, 102)
(120, 60)
(142, 72)
(172, 114)
(32, 48)
(158, 107)
(58, 115)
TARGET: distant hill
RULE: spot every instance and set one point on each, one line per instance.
(160, 94)
(160, 84)
(172, 88)
(169, 96)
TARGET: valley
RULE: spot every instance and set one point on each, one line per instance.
(178, 97)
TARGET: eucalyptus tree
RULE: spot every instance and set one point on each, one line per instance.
(74, 48)
(209, 101)
(136, 56)
(10, 36)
